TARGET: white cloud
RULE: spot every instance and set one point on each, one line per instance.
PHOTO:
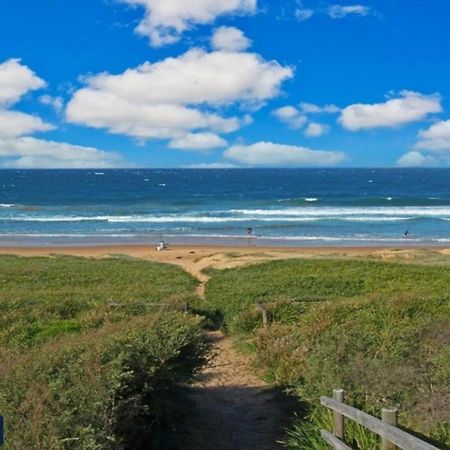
(28, 152)
(316, 129)
(230, 39)
(291, 116)
(198, 141)
(210, 166)
(16, 80)
(303, 14)
(416, 159)
(311, 108)
(272, 154)
(14, 123)
(297, 117)
(166, 20)
(176, 96)
(408, 107)
(340, 11)
(436, 138)
(57, 103)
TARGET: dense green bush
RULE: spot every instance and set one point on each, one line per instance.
(89, 359)
(114, 388)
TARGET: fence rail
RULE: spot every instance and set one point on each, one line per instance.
(392, 437)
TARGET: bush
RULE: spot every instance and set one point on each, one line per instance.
(114, 388)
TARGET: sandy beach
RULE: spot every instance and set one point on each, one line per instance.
(195, 258)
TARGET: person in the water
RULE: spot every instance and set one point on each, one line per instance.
(406, 233)
(249, 231)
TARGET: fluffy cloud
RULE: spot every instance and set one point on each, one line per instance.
(271, 154)
(297, 117)
(316, 129)
(311, 108)
(14, 123)
(230, 39)
(210, 166)
(28, 152)
(339, 11)
(291, 116)
(303, 14)
(166, 20)
(21, 151)
(408, 107)
(436, 138)
(198, 141)
(57, 103)
(16, 80)
(416, 159)
(177, 96)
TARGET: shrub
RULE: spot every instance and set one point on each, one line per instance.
(113, 388)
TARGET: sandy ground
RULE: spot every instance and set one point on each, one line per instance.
(235, 409)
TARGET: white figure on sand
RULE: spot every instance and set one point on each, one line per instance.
(161, 246)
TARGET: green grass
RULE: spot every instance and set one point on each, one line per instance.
(235, 291)
(381, 331)
(42, 297)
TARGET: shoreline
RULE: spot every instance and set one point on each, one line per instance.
(194, 258)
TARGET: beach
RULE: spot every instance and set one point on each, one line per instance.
(195, 258)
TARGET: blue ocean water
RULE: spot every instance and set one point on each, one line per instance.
(282, 206)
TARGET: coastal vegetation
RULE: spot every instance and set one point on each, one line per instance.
(379, 330)
(90, 357)
(95, 353)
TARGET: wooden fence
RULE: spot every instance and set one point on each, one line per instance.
(391, 436)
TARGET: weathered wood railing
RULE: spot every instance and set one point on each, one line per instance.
(391, 436)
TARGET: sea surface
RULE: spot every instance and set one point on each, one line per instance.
(314, 207)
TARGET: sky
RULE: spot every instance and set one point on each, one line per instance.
(224, 83)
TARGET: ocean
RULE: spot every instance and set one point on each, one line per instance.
(292, 207)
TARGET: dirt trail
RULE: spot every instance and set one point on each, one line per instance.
(234, 409)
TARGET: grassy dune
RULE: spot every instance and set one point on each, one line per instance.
(379, 330)
(79, 373)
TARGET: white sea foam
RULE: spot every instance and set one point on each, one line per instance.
(397, 215)
(200, 219)
(6, 205)
(330, 211)
(311, 199)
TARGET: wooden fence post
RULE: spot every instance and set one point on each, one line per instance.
(338, 419)
(263, 311)
(389, 416)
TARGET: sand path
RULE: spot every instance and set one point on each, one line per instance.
(234, 409)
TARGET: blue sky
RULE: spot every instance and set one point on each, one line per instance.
(224, 83)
